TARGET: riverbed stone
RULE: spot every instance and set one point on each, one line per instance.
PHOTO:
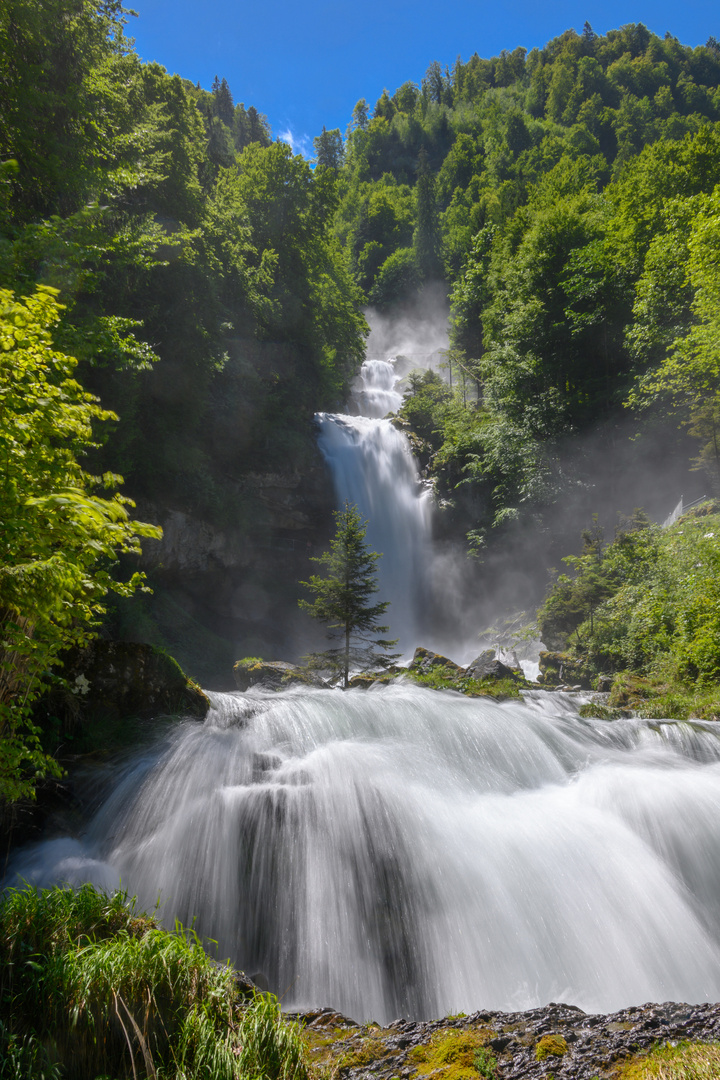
(593, 1045)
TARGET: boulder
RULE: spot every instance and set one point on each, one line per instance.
(425, 661)
(272, 674)
(116, 680)
(564, 670)
(488, 666)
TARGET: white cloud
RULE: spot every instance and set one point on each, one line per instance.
(301, 144)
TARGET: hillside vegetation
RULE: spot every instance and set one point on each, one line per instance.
(568, 199)
(644, 608)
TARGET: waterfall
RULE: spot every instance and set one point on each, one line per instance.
(405, 852)
(372, 466)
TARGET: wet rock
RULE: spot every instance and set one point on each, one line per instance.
(122, 679)
(272, 674)
(426, 661)
(557, 1039)
(489, 665)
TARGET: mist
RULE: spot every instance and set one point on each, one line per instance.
(417, 331)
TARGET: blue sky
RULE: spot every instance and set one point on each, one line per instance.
(306, 63)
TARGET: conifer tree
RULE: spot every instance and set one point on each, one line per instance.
(342, 601)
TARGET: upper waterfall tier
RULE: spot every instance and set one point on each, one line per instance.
(372, 467)
(374, 392)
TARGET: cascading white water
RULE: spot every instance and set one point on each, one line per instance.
(373, 468)
(405, 852)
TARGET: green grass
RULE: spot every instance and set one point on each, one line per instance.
(89, 988)
(685, 1061)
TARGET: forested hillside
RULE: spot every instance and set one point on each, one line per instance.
(567, 197)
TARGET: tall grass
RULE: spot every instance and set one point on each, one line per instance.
(90, 988)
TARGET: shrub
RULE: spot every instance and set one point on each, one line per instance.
(93, 987)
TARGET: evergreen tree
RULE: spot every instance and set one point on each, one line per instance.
(342, 600)
(329, 149)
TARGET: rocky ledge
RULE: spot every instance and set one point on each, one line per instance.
(554, 1041)
(492, 673)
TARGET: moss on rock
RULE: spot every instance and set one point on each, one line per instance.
(451, 1053)
(550, 1046)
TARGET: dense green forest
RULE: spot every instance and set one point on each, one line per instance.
(180, 294)
(567, 198)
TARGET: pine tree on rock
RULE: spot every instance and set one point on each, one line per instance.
(343, 601)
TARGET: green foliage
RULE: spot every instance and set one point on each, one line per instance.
(105, 991)
(485, 1064)
(343, 600)
(60, 535)
(647, 603)
(558, 194)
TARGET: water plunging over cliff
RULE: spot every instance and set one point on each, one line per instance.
(405, 852)
(372, 466)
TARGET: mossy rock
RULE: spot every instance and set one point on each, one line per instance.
(550, 1046)
(115, 680)
(272, 674)
(450, 1053)
(424, 662)
(630, 691)
(499, 688)
(564, 669)
(368, 678)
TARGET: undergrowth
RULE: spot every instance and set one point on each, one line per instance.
(90, 988)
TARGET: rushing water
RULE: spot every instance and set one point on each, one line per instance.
(373, 468)
(405, 852)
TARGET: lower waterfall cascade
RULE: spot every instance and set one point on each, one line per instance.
(407, 852)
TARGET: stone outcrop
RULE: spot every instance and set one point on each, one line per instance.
(122, 679)
(424, 661)
(561, 669)
(272, 674)
(559, 1041)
